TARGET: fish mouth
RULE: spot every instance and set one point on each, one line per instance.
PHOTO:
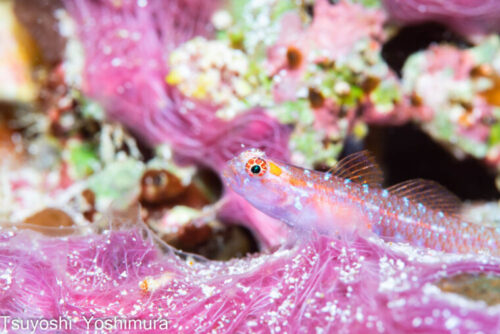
(229, 176)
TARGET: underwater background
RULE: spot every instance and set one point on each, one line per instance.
(117, 122)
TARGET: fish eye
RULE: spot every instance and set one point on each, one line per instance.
(256, 167)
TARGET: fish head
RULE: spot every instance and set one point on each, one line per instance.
(259, 179)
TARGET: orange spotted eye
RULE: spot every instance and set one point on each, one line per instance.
(256, 167)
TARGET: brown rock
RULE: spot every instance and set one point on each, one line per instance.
(162, 189)
(37, 16)
(89, 197)
(50, 222)
(160, 186)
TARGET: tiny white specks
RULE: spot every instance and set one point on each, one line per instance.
(385, 193)
(207, 290)
(452, 323)
(396, 303)
(298, 204)
(359, 314)
(115, 62)
(327, 176)
(416, 322)
(245, 289)
(421, 207)
(252, 323)
(275, 294)
(319, 295)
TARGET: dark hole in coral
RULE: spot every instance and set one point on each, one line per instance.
(413, 38)
(309, 9)
(406, 153)
(90, 128)
(473, 286)
(351, 145)
(212, 182)
(7, 112)
(222, 244)
(146, 150)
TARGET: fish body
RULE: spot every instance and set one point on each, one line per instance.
(350, 198)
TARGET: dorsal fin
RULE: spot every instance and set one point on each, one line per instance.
(429, 193)
(359, 167)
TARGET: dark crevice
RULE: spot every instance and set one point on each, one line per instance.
(230, 242)
(418, 37)
(407, 153)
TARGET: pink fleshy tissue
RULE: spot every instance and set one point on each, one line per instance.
(316, 285)
(469, 17)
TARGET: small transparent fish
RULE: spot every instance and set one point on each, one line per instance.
(350, 198)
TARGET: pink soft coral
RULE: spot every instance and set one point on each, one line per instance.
(331, 36)
(333, 32)
(466, 16)
(319, 285)
(126, 50)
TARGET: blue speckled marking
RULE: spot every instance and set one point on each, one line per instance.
(298, 204)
